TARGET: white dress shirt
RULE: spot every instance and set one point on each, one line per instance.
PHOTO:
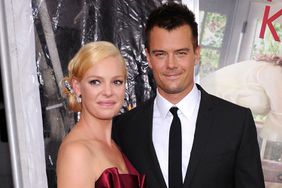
(162, 118)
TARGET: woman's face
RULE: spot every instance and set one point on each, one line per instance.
(102, 88)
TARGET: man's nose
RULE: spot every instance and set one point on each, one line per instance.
(171, 61)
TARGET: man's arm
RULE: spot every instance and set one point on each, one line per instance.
(248, 170)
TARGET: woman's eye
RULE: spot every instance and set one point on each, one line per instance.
(94, 82)
(118, 82)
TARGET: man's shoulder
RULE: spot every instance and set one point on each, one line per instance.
(227, 104)
(225, 114)
(136, 112)
(220, 103)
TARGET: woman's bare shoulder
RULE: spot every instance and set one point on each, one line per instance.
(74, 167)
(75, 149)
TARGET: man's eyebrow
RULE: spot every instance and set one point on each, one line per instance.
(182, 49)
(177, 50)
(157, 51)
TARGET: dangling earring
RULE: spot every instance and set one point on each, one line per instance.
(68, 86)
(78, 98)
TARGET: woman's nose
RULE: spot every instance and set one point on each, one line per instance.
(108, 90)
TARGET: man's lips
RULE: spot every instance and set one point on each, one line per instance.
(172, 76)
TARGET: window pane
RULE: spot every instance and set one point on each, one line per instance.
(201, 17)
(214, 30)
(267, 45)
(209, 61)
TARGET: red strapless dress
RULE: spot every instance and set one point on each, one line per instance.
(111, 178)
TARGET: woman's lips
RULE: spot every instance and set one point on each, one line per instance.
(106, 103)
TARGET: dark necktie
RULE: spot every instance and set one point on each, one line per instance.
(175, 152)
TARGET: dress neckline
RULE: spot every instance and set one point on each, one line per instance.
(111, 177)
(130, 168)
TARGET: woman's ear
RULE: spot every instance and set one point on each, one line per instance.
(76, 86)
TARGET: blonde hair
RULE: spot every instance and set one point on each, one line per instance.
(84, 59)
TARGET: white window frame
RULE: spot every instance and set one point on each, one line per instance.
(256, 12)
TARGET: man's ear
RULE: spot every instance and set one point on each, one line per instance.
(197, 55)
(76, 86)
(148, 57)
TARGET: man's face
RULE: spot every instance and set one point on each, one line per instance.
(171, 57)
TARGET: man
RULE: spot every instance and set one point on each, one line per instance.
(218, 140)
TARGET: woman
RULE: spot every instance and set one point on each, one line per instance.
(95, 87)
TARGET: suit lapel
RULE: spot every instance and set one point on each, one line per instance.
(152, 157)
(203, 124)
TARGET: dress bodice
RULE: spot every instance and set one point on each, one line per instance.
(111, 178)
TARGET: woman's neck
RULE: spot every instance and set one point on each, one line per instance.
(96, 129)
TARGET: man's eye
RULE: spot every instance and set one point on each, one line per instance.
(181, 53)
(159, 54)
(118, 82)
(94, 82)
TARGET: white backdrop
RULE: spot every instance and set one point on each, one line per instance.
(21, 92)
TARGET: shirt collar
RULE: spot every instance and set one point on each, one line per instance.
(186, 106)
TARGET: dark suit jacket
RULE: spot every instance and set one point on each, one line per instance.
(225, 152)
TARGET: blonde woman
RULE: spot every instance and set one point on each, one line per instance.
(95, 87)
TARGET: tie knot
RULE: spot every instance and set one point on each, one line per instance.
(173, 110)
